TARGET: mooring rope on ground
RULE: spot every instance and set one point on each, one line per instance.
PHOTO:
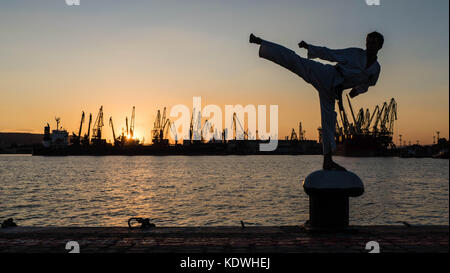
(8, 223)
(145, 222)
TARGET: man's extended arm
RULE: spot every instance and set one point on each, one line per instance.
(324, 53)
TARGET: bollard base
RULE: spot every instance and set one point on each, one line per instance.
(329, 193)
(329, 211)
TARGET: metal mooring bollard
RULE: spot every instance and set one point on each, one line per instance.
(328, 197)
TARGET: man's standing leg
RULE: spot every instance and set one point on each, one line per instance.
(328, 119)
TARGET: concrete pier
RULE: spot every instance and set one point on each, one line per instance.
(264, 239)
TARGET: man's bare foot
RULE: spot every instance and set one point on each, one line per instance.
(255, 40)
(332, 166)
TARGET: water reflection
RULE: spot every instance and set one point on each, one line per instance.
(205, 190)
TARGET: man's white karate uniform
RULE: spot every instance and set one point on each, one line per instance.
(350, 72)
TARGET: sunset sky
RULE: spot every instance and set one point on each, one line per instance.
(57, 60)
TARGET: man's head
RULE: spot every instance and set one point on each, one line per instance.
(374, 42)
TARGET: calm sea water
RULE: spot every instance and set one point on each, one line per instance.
(211, 190)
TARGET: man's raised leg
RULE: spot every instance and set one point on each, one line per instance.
(280, 55)
(315, 73)
(319, 75)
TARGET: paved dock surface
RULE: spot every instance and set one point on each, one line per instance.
(284, 239)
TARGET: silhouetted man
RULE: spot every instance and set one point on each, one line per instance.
(356, 68)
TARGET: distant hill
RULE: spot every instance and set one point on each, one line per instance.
(19, 139)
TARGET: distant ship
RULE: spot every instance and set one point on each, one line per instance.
(55, 142)
(365, 145)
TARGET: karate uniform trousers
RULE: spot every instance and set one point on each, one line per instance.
(323, 77)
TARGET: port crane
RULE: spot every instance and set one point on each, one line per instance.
(126, 123)
(160, 127)
(363, 120)
(198, 127)
(236, 120)
(191, 127)
(384, 119)
(393, 117)
(86, 138)
(156, 128)
(352, 128)
(377, 120)
(375, 127)
(293, 135)
(97, 130)
(132, 123)
(117, 141)
(207, 126)
(165, 129)
(366, 120)
(360, 120)
(390, 115)
(76, 138)
(344, 119)
(58, 120)
(376, 112)
(301, 132)
(174, 132)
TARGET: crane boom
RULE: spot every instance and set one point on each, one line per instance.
(156, 128)
(161, 127)
(112, 127)
(344, 119)
(163, 119)
(393, 116)
(240, 126)
(359, 120)
(375, 111)
(387, 113)
(351, 109)
(76, 139)
(205, 125)
(165, 122)
(174, 132)
(379, 116)
(301, 132)
(191, 126)
(98, 125)
(132, 123)
(166, 130)
(81, 124)
(366, 119)
(293, 135)
(89, 128)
